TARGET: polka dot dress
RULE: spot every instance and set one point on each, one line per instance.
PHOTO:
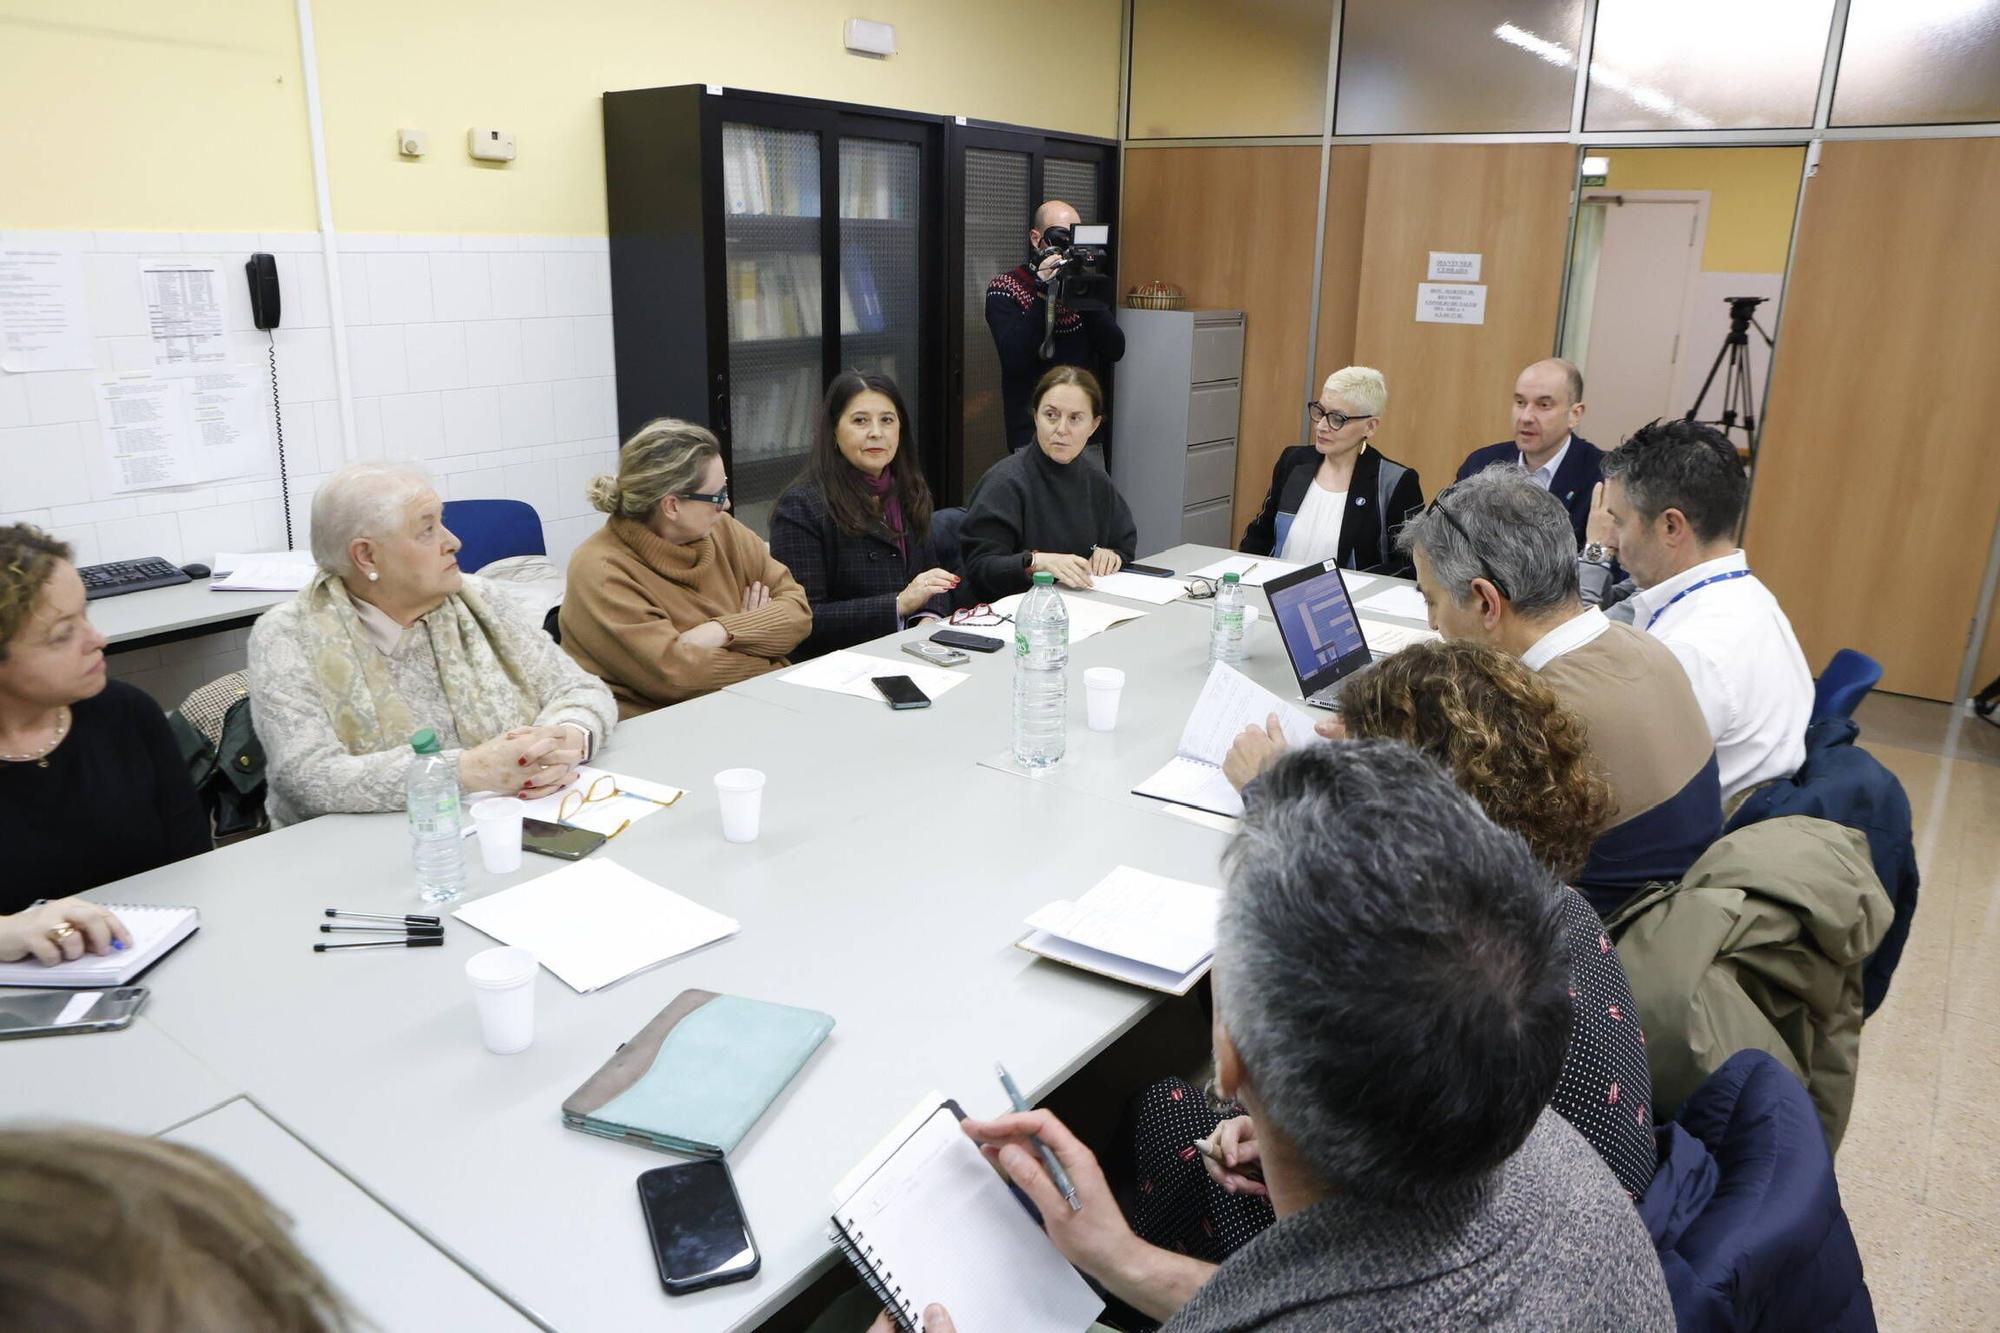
(1172, 1202)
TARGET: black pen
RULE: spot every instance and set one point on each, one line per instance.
(413, 942)
(386, 930)
(377, 916)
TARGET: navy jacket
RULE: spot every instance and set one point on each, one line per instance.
(1842, 782)
(1382, 497)
(1745, 1212)
(1573, 480)
(850, 581)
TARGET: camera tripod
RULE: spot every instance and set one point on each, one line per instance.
(1732, 361)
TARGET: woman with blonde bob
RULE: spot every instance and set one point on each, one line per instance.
(389, 639)
(1339, 498)
(673, 598)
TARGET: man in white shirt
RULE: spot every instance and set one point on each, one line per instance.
(1672, 500)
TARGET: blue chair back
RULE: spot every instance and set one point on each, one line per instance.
(490, 530)
(1844, 684)
(945, 524)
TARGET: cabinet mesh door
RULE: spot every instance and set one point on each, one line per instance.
(997, 211)
(771, 205)
(1075, 183)
(880, 199)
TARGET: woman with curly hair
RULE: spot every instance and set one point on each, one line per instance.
(1512, 746)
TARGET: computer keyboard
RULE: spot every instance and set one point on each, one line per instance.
(129, 576)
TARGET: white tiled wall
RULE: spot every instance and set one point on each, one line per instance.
(485, 358)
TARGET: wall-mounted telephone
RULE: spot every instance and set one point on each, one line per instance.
(263, 271)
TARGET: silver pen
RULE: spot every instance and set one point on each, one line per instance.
(1056, 1172)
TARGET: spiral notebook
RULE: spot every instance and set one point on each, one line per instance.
(924, 1219)
(155, 932)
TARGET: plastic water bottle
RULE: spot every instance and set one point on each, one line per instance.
(1041, 675)
(1225, 642)
(431, 797)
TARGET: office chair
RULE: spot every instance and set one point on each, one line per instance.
(1844, 684)
(490, 530)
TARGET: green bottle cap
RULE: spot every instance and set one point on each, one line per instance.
(1232, 577)
(1043, 578)
(426, 742)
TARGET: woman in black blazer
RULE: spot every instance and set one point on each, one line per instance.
(1376, 495)
(855, 528)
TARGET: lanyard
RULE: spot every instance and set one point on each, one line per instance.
(1695, 587)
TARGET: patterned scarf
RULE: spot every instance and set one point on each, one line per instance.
(476, 658)
(883, 488)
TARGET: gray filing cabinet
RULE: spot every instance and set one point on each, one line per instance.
(1179, 390)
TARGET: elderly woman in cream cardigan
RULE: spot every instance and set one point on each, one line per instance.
(390, 638)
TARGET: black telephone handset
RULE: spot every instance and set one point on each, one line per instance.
(263, 271)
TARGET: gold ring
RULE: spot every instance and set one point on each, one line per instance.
(62, 932)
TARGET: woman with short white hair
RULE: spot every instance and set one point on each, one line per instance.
(1337, 498)
(390, 638)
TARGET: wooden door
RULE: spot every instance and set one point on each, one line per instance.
(1635, 321)
(1876, 489)
(1451, 385)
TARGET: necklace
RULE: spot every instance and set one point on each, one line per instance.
(40, 757)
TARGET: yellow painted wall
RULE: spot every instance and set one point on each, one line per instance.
(178, 115)
(176, 118)
(1752, 193)
(1206, 70)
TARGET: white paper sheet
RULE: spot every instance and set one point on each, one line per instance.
(1147, 588)
(44, 312)
(595, 922)
(1229, 703)
(845, 672)
(1398, 600)
(145, 432)
(227, 561)
(183, 312)
(184, 426)
(1451, 303)
(266, 573)
(1384, 638)
(1086, 617)
(1254, 570)
(1168, 923)
(636, 800)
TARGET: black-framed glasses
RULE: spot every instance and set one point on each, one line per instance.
(1318, 413)
(1200, 589)
(718, 499)
(1437, 507)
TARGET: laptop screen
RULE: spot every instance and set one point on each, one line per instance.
(1317, 622)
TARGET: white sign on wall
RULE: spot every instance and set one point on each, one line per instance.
(1450, 266)
(1451, 303)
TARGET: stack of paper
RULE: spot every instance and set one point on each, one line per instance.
(1148, 588)
(1085, 616)
(1384, 639)
(1397, 600)
(852, 673)
(270, 571)
(1229, 703)
(595, 922)
(1146, 929)
(1253, 570)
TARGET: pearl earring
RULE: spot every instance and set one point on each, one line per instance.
(372, 576)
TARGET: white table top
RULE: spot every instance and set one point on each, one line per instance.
(887, 888)
(185, 606)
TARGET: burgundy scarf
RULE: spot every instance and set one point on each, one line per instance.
(883, 488)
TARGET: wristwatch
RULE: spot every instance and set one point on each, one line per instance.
(1595, 553)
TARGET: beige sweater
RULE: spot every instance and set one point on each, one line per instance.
(632, 594)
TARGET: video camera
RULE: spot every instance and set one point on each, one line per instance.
(1082, 281)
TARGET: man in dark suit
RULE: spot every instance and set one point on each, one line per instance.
(1548, 402)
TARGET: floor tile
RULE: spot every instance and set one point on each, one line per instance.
(1888, 1229)
(1964, 1171)
(1959, 1282)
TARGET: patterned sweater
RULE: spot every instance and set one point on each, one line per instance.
(312, 773)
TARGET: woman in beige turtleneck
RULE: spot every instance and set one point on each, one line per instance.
(674, 598)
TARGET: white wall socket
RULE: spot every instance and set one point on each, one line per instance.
(412, 143)
(490, 145)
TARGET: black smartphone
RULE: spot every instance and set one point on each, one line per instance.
(977, 643)
(560, 840)
(900, 691)
(1156, 571)
(695, 1220)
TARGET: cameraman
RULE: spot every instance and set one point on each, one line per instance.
(1017, 312)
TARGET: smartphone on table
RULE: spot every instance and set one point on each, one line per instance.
(57, 1013)
(976, 643)
(695, 1220)
(900, 691)
(559, 840)
(935, 653)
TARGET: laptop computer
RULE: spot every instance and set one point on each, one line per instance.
(1321, 633)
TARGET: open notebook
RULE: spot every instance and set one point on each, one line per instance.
(1133, 926)
(155, 931)
(924, 1219)
(1229, 702)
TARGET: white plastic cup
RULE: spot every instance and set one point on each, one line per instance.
(1101, 688)
(503, 986)
(741, 794)
(498, 822)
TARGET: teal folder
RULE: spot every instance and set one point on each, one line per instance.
(696, 1078)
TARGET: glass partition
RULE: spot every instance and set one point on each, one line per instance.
(1930, 63)
(1457, 66)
